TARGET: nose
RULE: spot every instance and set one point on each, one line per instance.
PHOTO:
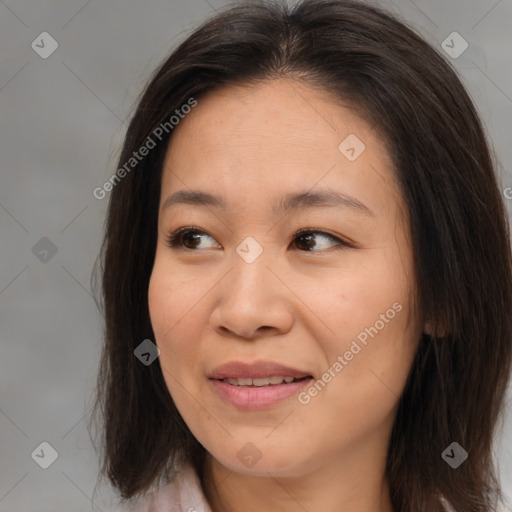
(253, 300)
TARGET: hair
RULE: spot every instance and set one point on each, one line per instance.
(407, 90)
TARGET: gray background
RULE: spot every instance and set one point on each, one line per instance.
(62, 122)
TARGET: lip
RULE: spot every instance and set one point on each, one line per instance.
(255, 398)
(258, 369)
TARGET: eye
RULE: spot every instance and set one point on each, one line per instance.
(188, 238)
(183, 237)
(309, 237)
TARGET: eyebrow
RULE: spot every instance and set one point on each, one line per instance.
(288, 203)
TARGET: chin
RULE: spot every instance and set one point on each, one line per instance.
(253, 462)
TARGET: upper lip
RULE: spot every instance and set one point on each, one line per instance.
(259, 369)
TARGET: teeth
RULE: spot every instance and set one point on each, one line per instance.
(264, 381)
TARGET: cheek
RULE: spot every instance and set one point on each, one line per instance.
(357, 301)
(174, 307)
(170, 299)
(368, 311)
(165, 312)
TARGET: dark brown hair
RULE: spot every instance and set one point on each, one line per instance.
(460, 236)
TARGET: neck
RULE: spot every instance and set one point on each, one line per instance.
(340, 484)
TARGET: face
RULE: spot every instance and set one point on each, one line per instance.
(328, 306)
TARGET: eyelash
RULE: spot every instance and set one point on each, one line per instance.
(174, 239)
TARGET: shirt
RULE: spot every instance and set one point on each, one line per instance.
(184, 494)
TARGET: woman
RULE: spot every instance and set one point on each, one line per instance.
(307, 274)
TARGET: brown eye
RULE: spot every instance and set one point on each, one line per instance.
(190, 239)
(187, 238)
(307, 240)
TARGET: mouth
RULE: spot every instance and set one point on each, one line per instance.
(254, 397)
(256, 386)
(260, 382)
(241, 373)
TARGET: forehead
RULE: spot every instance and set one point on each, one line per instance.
(279, 135)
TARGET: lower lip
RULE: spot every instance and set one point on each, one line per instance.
(254, 398)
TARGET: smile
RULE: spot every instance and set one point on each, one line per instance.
(260, 382)
(248, 394)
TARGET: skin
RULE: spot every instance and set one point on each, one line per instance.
(301, 308)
